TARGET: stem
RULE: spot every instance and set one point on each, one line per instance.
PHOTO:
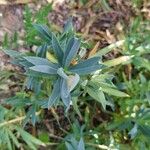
(109, 48)
(98, 146)
(15, 120)
(52, 144)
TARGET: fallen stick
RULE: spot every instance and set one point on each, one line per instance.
(16, 120)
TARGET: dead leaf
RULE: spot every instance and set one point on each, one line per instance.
(94, 50)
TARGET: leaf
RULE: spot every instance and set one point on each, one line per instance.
(71, 143)
(81, 145)
(30, 115)
(133, 131)
(65, 93)
(114, 92)
(87, 66)
(29, 139)
(41, 51)
(9, 145)
(75, 106)
(44, 69)
(40, 61)
(98, 96)
(72, 81)
(57, 49)
(68, 25)
(12, 53)
(142, 62)
(22, 62)
(145, 130)
(55, 94)
(117, 61)
(14, 139)
(109, 48)
(17, 102)
(69, 146)
(44, 32)
(71, 51)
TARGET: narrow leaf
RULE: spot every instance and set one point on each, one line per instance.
(68, 25)
(73, 81)
(55, 94)
(114, 92)
(87, 66)
(41, 51)
(109, 48)
(28, 137)
(65, 93)
(14, 139)
(12, 53)
(117, 61)
(44, 69)
(81, 145)
(71, 51)
(40, 61)
(44, 32)
(98, 96)
(57, 49)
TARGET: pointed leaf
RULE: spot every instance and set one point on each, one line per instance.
(57, 48)
(28, 138)
(81, 145)
(41, 51)
(71, 51)
(68, 25)
(145, 129)
(44, 32)
(73, 81)
(114, 92)
(133, 131)
(87, 66)
(65, 93)
(109, 48)
(98, 96)
(12, 53)
(44, 69)
(55, 94)
(40, 61)
(14, 139)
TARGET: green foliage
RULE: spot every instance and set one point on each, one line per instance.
(10, 41)
(137, 43)
(58, 75)
(11, 134)
(65, 74)
(38, 17)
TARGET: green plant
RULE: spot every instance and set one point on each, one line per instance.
(134, 120)
(12, 133)
(64, 48)
(137, 43)
(58, 71)
(38, 17)
(10, 41)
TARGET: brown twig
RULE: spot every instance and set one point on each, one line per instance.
(15, 120)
